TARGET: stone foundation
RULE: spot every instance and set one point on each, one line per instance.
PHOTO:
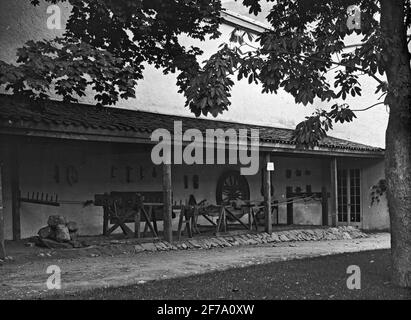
(340, 233)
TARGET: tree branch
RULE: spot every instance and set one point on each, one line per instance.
(344, 65)
(372, 106)
(331, 61)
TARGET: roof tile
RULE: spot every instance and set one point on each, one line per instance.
(122, 120)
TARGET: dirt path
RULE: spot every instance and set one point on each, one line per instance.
(28, 280)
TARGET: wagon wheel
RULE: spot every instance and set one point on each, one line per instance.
(232, 186)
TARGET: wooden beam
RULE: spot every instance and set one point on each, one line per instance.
(324, 206)
(290, 205)
(2, 246)
(333, 193)
(15, 190)
(105, 220)
(168, 204)
(137, 219)
(267, 195)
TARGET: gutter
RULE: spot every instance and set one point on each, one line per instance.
(237, 20)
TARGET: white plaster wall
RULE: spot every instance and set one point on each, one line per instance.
(308, 213)
(374, 217)
(20, 22)
(93, 162)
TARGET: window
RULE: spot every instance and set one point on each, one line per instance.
(349, 195)
(342, 195)
(355, 195)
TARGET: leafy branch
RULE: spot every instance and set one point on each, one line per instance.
(378, 190)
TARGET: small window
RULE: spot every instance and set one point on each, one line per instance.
(307, 172)
(185, 182)
(298, 173)
(288, 173)
(297, 189)
(308, 188)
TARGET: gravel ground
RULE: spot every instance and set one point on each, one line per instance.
(311, 278)
(28, 279)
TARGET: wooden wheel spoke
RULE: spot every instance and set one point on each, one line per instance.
(232, 186)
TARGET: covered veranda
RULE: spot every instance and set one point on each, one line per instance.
(58, 159)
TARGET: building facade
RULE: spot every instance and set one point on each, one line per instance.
(73, 152)
(70, 153)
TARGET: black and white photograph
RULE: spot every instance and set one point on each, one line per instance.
(205, 158)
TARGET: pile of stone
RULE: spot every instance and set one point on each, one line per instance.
(59, 233)
(317, 234)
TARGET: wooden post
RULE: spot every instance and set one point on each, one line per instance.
(334, 192)
(290, 209)
(15, 190)
(168, 204)
(137, 216)
(2, 246)
(267, 196)
(275, 202)
(105, 221)
(324, 206)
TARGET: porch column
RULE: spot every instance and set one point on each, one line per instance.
(267, 195)
(333, 193)
(167, 200)
(2, 247)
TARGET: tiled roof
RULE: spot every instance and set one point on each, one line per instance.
(55, 115)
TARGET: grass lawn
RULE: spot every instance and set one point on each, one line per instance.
(315, 278)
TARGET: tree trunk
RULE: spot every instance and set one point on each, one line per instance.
(398, 140)
(398, 172)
